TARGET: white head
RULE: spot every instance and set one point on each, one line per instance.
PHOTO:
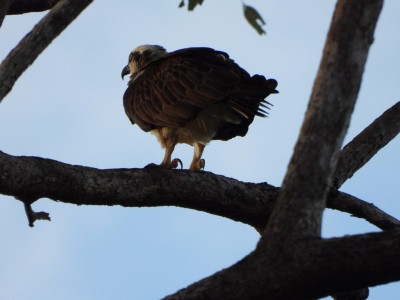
(141, 56)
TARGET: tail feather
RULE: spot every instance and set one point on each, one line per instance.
(250, 99)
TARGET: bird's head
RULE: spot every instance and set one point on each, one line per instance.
(141, 56)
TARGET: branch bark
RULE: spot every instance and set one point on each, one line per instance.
(362, 209)
(306, 270)
(27, 6)
(365, 145)
(4, 7)
(298, 212)
(32, 178)
(30, 47)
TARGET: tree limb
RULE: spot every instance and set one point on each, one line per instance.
(26, 6)
(361, 209)
(32, 178)
(365, 145)
(29, 48)
(298, 212)
(306, 270)
(4, 7)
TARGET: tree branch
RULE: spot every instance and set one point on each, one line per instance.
(365, 145)
(26, 6)
(298, 212)
(361, 209)
(29, 48)
(306, 270)
(32, 178)
(4, 7)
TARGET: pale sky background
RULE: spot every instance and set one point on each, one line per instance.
(68, 106)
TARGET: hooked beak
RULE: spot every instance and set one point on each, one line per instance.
(125, 71)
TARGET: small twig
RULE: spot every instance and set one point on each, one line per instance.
(33, 216)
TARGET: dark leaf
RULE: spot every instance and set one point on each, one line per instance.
(192, 4)
(254, 18)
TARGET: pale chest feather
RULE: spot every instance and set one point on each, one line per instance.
(201, 129)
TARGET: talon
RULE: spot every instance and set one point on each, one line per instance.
(198, 165)
(202, 164)
(174, 163)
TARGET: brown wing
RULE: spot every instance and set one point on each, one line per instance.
(174, 89)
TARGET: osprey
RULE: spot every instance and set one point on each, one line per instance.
(192, 96)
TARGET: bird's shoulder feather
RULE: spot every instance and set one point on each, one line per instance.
(171, 90)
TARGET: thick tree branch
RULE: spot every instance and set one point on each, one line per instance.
(29, 48)
(360, 294)
(32, 178)
(26, 6)
(365, 145)
(306, 270)
(298, 212)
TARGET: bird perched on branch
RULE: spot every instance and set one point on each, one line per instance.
(192, 96)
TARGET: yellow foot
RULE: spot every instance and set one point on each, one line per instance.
(173, 164)
(198, 165)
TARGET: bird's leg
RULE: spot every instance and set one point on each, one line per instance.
(197, 163)
(167, 162)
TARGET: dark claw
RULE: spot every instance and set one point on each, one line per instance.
(175, 162)
(202, 164)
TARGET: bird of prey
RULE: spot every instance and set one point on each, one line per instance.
(192, 96)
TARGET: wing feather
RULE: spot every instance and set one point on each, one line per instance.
(173, 90)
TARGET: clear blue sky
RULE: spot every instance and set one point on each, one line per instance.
(68, 107)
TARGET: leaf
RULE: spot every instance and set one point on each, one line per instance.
(192, 4)
(254, 18)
